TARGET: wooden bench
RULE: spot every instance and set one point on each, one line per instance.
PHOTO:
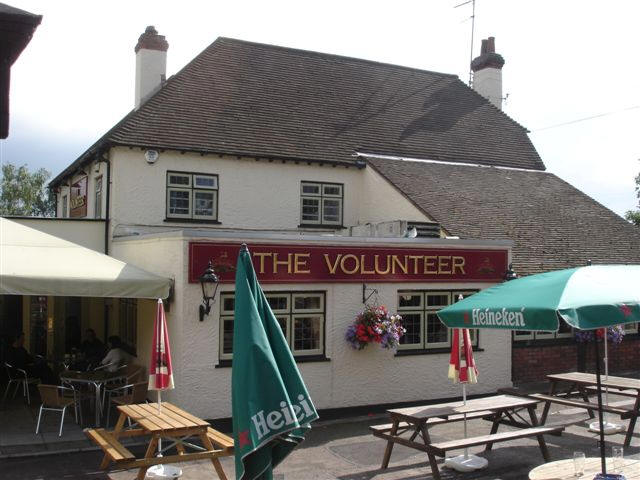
(110, 445)
(441, 448)
(220, 440)
(623, 412)
(615, 391)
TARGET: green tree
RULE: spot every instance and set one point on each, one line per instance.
(634, 215)
(25, 193)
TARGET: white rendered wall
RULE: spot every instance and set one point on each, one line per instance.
(253, 195)
(94, 170)
(151, 68)
(89, 234)
(350, 378)
(488, 83)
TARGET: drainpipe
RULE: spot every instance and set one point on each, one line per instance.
(106, 210)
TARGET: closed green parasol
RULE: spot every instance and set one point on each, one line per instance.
(586, 298)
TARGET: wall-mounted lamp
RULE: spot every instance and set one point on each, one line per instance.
(209, 282)
(510, 274)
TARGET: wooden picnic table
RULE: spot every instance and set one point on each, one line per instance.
(565, 385)
(499, 409)
(170, 423)
(563, 469)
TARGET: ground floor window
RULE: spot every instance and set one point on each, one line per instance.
(301, 316)
(128, 322)
(425, 331)
(564, 331)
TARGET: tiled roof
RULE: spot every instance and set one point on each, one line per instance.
(552, 224)
(244, 98)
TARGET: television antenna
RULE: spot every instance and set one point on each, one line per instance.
(473, 26)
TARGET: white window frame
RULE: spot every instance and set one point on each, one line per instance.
(290, 314)
(630, 328)
(65, 209)
(321, 196)
(192, 188)
(97, 197)
(424, 310)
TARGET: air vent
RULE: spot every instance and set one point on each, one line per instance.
(425, 229)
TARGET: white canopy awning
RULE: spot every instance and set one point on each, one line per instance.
(36, 263)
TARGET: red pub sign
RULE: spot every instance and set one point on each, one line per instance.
(330, 263)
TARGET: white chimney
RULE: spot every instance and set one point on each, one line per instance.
(487, 73)
(151, 64)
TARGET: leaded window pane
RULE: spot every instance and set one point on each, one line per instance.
(310, 209)
(437, 332)
(179, 202)
(331, 210)
(203, 203)
(412, 323)
(306, 333)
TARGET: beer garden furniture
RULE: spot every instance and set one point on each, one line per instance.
(96, 379)
(499, 409)
(169, 423)
(564, 470)
(585, 383)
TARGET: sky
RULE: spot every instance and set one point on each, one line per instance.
(565, 61)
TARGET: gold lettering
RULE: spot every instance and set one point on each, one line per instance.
(277, 263)
(376, 267)
(396, 261)
(430, 265)
(415, 259)
(261, 256)
(332, 269)
(363, 271)
(356, 265)
(300, 262)
(458, 263)
(443, 262)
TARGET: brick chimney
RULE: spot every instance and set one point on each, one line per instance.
(487, 72)
(151, 64)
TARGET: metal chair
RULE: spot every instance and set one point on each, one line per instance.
(18, 376)
(130, 375)
(134, 393)
(56, 398)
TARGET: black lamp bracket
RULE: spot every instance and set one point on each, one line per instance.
(204, 310)
(372, 291)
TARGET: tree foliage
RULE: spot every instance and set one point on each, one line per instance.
(634, 215)
(25, 193)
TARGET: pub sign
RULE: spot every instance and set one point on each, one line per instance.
(78, 198)
(275, 263)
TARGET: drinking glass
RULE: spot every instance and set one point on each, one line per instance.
(618, 459)
(578, 464)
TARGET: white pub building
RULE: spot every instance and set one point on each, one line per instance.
(351, 182)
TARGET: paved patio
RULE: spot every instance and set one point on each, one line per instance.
(334, 450)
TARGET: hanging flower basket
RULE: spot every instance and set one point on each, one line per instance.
(615, 334)
(375, 325)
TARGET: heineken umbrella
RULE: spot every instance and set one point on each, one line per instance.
(587, 298)
(270, 403)
(161, 378)
(462, 369)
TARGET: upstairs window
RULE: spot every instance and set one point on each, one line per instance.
(98, 198)
(321, 203)
(192, 196)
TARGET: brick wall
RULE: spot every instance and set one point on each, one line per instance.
(532, 363)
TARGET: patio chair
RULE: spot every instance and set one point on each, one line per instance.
(134, 393)
(56, 398)
(19, 377)
(129, 374)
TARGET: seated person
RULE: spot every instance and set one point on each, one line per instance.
(18, 357)
(92, 348)
(116, 357)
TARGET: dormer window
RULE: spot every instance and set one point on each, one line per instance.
(321, 204)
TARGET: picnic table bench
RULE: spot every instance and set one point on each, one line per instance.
(170, 423)
(499, 409)
(586, 383)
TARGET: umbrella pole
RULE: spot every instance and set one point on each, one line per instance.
(464, 402)
(599, 385)
(159, 411)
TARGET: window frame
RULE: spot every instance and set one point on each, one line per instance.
(192, 188)
(64, 211)
(97, 197)
(289, 314)
(425, 310)
(321, 196)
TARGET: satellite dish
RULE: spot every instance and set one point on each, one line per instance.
(412, 233)
(151, 156)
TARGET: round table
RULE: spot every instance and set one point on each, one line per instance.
(563, 469)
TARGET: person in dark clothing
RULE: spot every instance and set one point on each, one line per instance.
(93, 349)
(18, 357)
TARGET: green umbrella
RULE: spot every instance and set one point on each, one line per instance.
(586, 298)
(270, 403)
